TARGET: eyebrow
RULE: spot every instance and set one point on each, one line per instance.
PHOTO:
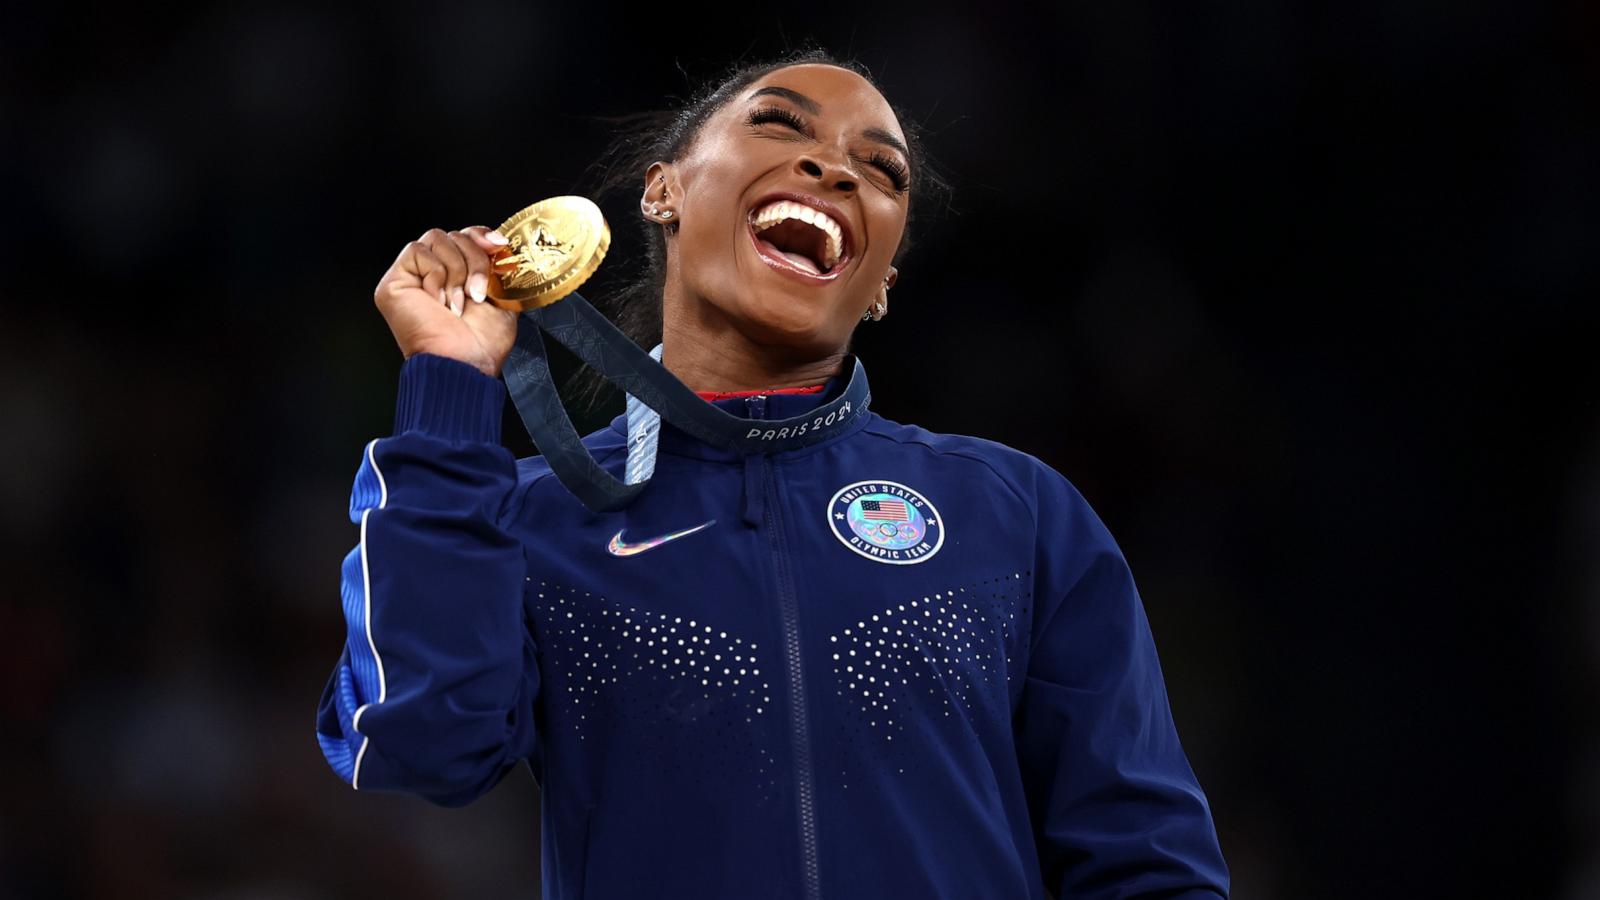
(811, 106)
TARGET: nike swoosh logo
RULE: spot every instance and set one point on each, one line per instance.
(619, 547)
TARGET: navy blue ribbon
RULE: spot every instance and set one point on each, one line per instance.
(583, 330)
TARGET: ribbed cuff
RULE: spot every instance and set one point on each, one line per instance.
(448, 398)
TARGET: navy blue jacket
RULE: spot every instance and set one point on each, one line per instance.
(891, 664)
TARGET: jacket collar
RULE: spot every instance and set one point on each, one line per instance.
(675, 441)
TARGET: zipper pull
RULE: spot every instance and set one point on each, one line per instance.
(753, 504)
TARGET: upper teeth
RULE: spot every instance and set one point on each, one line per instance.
(777, 211)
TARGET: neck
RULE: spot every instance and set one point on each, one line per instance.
(703, 348)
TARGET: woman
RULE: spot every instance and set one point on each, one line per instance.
(890, 663)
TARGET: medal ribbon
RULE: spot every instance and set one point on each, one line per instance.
(598, 343)
(644, 431)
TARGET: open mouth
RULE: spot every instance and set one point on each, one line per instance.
(800, 240)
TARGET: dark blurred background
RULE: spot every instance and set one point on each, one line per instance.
(1301, 296)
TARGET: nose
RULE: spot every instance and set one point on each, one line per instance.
(827, 168)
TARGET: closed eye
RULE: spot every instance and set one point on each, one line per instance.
(893, 168)
(897, 172)
(776, 114)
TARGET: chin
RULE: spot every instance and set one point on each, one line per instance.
(783, 321)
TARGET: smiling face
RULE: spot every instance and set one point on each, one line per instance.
(823, 144)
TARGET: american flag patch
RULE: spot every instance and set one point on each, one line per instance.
(884, 511)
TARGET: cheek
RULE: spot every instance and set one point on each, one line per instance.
(887, 224)
(712, 220)
(720, 177)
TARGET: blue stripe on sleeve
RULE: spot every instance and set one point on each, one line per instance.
(364, 663)
(369, 491)
(361, 681)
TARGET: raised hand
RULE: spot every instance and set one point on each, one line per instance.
(433, 299)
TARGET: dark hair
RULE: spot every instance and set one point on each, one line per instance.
(642, 138)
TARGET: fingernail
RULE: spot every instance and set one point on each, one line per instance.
(496, 237)
(478, 283)
(460, 309)
(443, 300)
(458, 299)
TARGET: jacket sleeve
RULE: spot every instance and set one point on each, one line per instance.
(434, 691)
(1116, 809)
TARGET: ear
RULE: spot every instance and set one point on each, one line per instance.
(882, 300)
(656, 204)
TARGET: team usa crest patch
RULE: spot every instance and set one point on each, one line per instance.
(886, 522)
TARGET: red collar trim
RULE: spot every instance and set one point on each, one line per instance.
(724, 395)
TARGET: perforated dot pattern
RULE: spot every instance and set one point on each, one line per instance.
(613, 665)
(919, 669)
(925, 662)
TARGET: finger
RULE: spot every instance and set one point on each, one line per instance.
(478, 264)
(430, 270)
(415, 267)
(440, 242)
(496, 245)
(487, 238)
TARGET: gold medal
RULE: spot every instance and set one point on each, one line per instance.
(554, 246)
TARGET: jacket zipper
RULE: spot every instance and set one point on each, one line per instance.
(801, 732)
